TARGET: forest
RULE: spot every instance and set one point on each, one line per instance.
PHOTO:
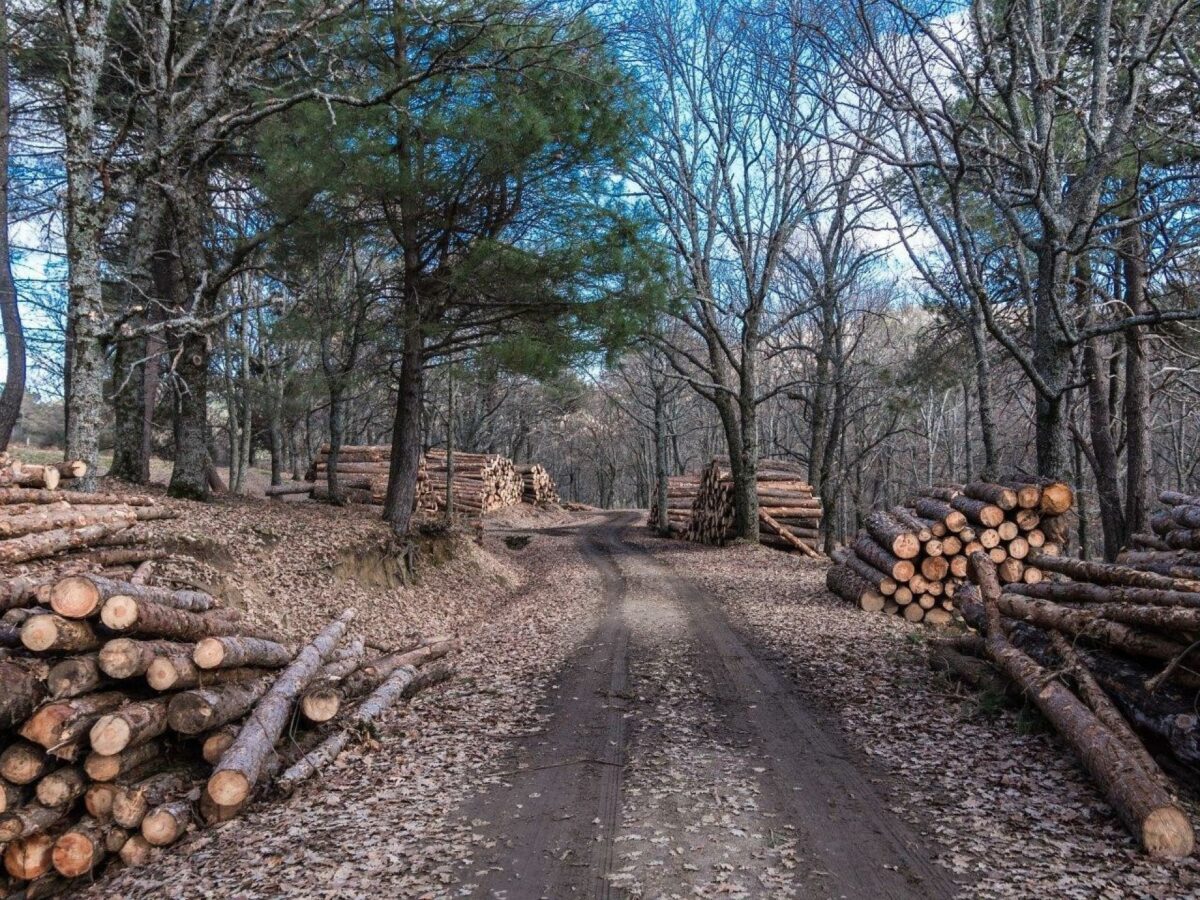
(405, 404)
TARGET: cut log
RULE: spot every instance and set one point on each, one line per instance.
(237, 652)
(47, 543)
(22, 763)
(22, 688)
(81, 848)
(216, 743)
(54, 634)
(987, 515)
(79, 596)
(129, 658)
(129, 615)
(165, 824)
(322, 700)
(995, 494)
(1110, 574)
(75, 676)
(932, 508)
(202, 709)
(892, 535)
(51, 518)
(179, 673)
(884, 582)
(108, 767)
(236, 775)
(1152, 816)
(61, 787)
(29, 858)
(899, 569)
(1083, 592)
(289, 487)
(29, 819)
(130, 726)
(132, 802)
(136, 852)
(402, 681)
(62, 722)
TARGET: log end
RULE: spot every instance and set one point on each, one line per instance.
(102, 767)
(1167, 834)
(161, 828)
(110, 735)
(119, 612)
(39, 633)
(136, 851)
(162, 675)
(872, 601)
(216, 744)
(74, 854)
(209, 653)
(99, 801)
(1056, 499)
(74, 597)
(29, 858)
(119, 658)
(228, 788)
(906, 546)
(320, 705)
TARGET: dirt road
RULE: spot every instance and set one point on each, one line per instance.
(677, 761)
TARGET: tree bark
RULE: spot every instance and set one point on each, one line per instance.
(406, 435)
(190, 475)
(79, 596)
(129, 658)
(132, 725)
(10, 311)
(235, 652)
(202, 709)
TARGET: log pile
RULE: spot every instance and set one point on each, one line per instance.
(538, 486)
(1175, 531)
(1107, 653)
(681, 496)
(789, 515)
(362, 477)
(483, 482)
(131, 712)
(911, 560)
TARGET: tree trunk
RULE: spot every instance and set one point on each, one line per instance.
(189, 478)
(1138, 454)
(1052, 359)
(1104, 451)
(10, 312)
(661, 464)
(983, 389)
(406, 435)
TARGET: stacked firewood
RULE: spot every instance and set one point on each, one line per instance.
(1108, 654)
(131, 712)
(912, 559)
(1175, 528)
(362, 477)
(789, 515)
(14, 473)
(682, 491)
(483, 482)
(538, 485)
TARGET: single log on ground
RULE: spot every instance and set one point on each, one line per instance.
(237, 652)
(131, 725)
(129, 658)
(53, 634)
(238, 772)
(64, 721)
(22, 688)
(79, 596)
(194, 711)
(132, 802)
(61, 787)
(131, 616)
(1155, 819)
(403, 681)
(166, 823)
(22, 763)
(75, 676)
(107, 767)
(30, 857)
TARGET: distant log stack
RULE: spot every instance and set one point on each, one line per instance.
(911, 560)
(362, 476)
(701, 506)
(123, 699)
(538, 486)
(1108, 654)
(483, 482)
(1175, 532)
(682, 491)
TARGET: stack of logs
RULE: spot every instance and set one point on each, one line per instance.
(538, 486)
(1108, 654)
(483, 482)
(912, 559)
(681, 497)
(1176, 528)
(788, 513)
(131, 712)
(362, 472)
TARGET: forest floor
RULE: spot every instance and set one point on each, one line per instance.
(637, 717)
